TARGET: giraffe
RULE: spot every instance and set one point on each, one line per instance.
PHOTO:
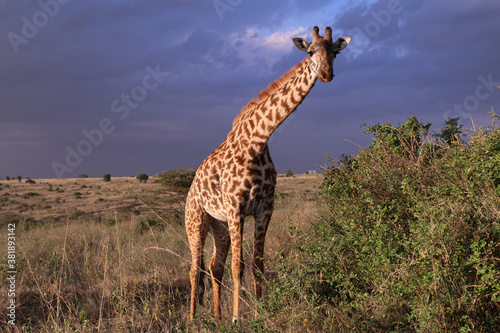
(238, 178)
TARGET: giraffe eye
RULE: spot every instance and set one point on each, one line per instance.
(310, 53)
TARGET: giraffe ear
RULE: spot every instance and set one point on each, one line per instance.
(301, 44)
(341, 43)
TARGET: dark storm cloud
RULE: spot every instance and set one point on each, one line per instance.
(90, 61)
(429, 54)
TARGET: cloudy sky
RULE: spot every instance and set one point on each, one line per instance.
(129, 86)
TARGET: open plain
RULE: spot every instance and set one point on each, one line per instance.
(112, 256)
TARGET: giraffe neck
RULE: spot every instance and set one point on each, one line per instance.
(255, 124)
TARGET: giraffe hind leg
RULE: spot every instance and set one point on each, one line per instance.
(201, 281)
(222, 241)
(194, 277)
(196, 228)
(261, 224)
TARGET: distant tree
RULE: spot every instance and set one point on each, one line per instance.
(289, 173)
(106, 177)
(142, 177)
(451, 133)
(7, 178)
(19, 178)
(82, 175)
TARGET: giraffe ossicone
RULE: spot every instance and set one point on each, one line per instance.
(238, 179)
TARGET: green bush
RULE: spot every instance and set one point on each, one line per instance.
(106, 177)
(30, 181)
(405, 140)
(179, 179)
(142, 177)
(412, 240)
(29, 195)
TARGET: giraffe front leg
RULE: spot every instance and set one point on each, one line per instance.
(237, 266)
(261, 224)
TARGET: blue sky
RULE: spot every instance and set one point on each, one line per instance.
(123, 87)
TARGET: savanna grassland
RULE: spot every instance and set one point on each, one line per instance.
(402, 237)
(113, 256)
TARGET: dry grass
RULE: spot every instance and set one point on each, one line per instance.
(113, 257)
(296, 205)
(52, 200)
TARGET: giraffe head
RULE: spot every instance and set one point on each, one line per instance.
(322, 51)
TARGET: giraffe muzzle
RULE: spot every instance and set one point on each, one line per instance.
(326, 73)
